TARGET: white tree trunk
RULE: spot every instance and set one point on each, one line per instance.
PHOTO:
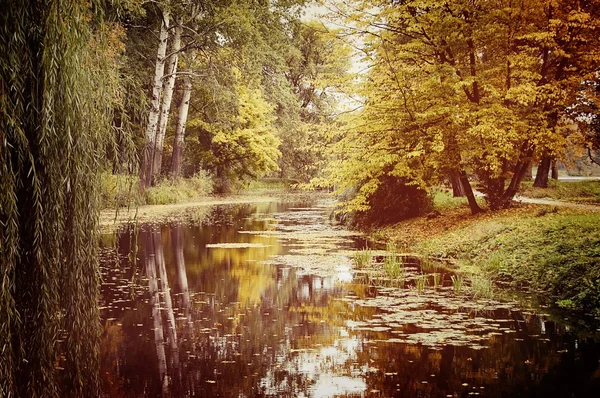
(178, 140)
(169, 86)
(153, 115)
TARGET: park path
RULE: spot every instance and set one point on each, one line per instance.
(557, 203)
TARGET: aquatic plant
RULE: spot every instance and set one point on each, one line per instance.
(426, 265)
(363, 258)
(457, 283)
(482, 287)
(422, 282)
(392, 266)
(391, 247)
(437, 279)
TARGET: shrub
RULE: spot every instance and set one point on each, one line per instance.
(394, 200)
(119, 190)
(174, 191)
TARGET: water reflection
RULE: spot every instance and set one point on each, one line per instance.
(262, 301)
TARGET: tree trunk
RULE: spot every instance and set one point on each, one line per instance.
(528, 176)
(466, 184)
(458, 191)
(178, 140)
(521, 170)
(554, 170)
(541, 177)
(153, 115)
(169, 86)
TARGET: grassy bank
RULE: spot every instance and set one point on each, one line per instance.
(573, 191)
(554, 252)
(123, 190)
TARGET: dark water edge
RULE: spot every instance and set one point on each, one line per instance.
(263, 300)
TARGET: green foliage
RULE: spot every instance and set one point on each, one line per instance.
(393, 267)
(437, 280)
(271, 184)
(557, 254)
(421, 283)
(119, 191)
(239, 142)
(482, 287)
(175, 191)
(59, 92)
(363, 258)
(457, 283)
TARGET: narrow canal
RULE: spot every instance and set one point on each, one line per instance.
(265, 300)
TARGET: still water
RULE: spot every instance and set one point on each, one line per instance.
(264, 300)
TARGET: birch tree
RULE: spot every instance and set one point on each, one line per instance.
(169, 87)
(147, 174)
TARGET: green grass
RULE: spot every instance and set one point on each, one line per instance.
(123, 190)
(393, 267)
(422, 282)
(437, 280)
(558, 254)
(443, 199)
(457, 283)
(168, 191)
(575, 191)
(363, 258)
(119, 191)
(482, 287)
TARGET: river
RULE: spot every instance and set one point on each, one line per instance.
(265, 300)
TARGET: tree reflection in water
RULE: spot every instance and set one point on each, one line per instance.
(262, 321)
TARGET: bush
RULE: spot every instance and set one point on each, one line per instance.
(169, 191)
(393, 201)
(119, 190)
(123, 190)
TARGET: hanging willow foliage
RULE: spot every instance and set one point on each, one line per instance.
(57, 97)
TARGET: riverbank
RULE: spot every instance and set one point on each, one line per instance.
(545, 249)
(111, 219)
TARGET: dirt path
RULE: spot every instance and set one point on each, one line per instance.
(550, 202)
(558, 203)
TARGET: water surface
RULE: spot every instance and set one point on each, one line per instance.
(264, 300)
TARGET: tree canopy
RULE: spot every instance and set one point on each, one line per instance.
(478, 89)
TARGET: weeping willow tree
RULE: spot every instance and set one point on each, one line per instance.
(56, 104)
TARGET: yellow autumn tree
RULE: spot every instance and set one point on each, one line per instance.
(464, 89)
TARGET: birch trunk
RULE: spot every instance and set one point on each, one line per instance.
(153, 115)
(169, 86)
(178, 140)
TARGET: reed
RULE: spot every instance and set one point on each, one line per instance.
(422, 282)
(437, 280)
(363, 258)
(457, 283)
